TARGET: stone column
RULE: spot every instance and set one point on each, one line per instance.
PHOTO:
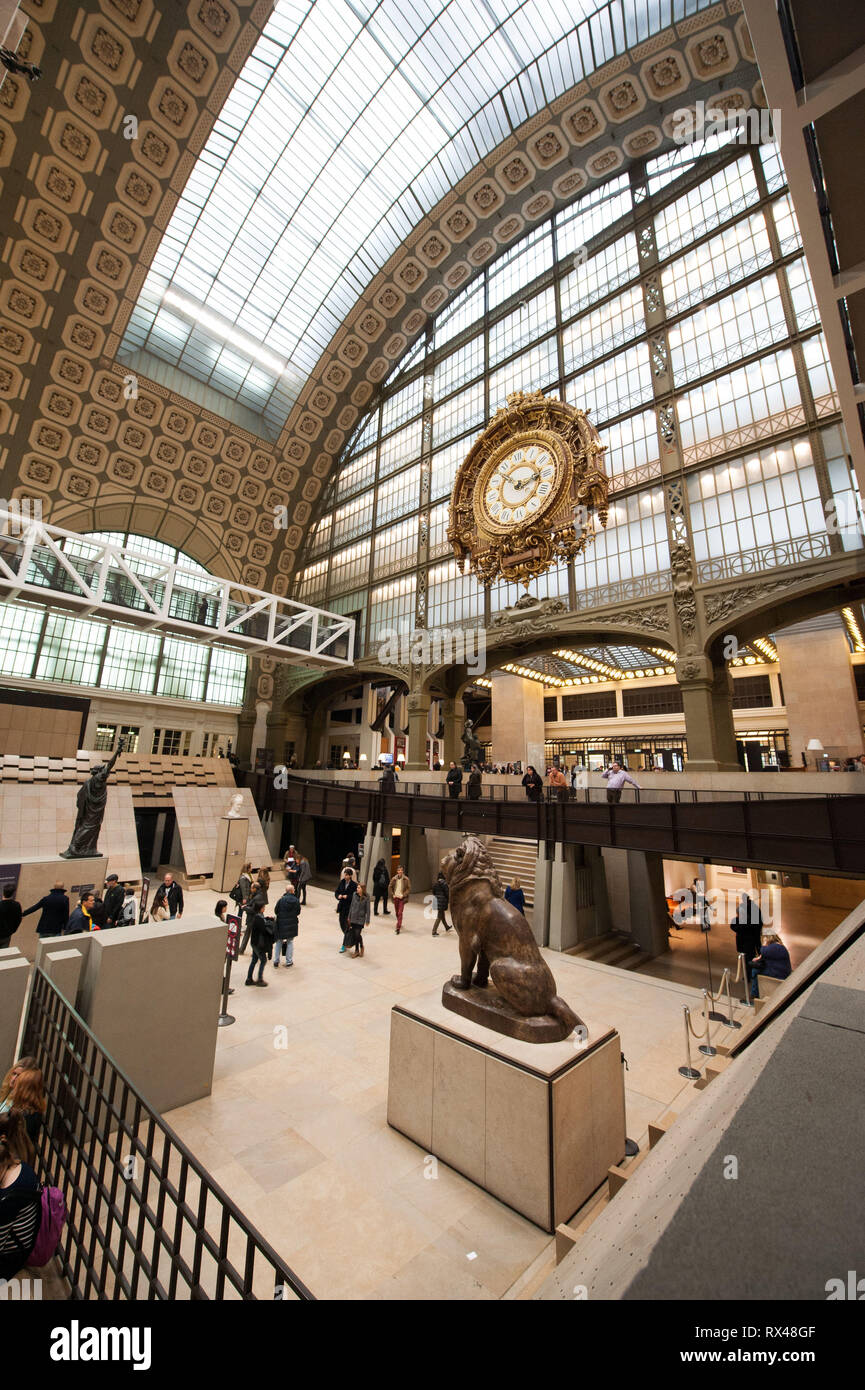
(454, 715)
(578, 907)
(517, 720)
(819, 688)
(418, 717)
(707, 697)
(415, 859)
(541, 901)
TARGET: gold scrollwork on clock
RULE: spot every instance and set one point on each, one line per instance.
(530, 492)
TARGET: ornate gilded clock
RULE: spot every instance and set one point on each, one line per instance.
(530, 491)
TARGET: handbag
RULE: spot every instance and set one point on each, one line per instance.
(50, 1227)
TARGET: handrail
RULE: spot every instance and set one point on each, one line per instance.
(817, 834)
(173, 1232)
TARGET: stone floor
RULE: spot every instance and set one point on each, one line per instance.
(296, 1130)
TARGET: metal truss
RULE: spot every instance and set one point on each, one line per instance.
(98, 579)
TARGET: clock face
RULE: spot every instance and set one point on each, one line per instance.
(521, 485)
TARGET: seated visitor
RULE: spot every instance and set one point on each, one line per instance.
(773, 962)
(55, 912)
(515, 895)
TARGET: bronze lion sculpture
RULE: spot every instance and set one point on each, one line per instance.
(497, 939)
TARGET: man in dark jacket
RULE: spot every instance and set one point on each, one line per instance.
(169, 895)
(748, 926)
(113, 900)
(380, 881)
(441, 894)
(454, 780)
(261, 943)
(10, 915)
(287, 919)
(81, 919)
(387, 781)
(55, 912)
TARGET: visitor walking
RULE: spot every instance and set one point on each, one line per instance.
(261, 945)
(454, 781)
(533, 784)
(515, 895)
(441, 894)
(474, 787)
(169, 897)
(773, 962)
(55, 912)
(80, 919)
(10, 914)
(345, 891)
(358, 918)
(400, 888)
(615, 776)
(380, 884)
(113, 900)
(287, 920)
(304, 876)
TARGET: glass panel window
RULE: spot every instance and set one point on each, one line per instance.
(183, 670)
(634, 542)
(226, 678)
(530, 320)
(744, 322)
(605, 328)
(19, 637)
(706, 206)
(105, 736)
(534, 370)
(819, 366)
(729, 402)
(462, 366)
(769, 496)
(802, 293)
(398, 495)
(396, 548)
(350, 566)
(445, 465)
(786, 225)
(617, 385)
(312, 583)
(399, 449)
(131, 659)
(459, 414)
(518, 268)
(356, 475)
(738, 252)
(353, 519)
(460, 315)
(632, 444)
(391, 607)
(402, 405)
(452, 597)
(71, 650)
(594, 213)
(597, 277)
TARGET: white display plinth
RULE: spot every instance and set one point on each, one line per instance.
(536, 1125)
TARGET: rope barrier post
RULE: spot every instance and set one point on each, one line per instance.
(731, 1021)
(714, 1015)
(746, 977)
(687, 1070)
(706, 1048)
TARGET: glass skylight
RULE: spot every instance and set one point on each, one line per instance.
(349, 122)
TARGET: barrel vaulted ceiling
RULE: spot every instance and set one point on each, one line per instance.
(89, 210)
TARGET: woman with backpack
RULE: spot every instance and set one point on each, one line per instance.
(20, 1195)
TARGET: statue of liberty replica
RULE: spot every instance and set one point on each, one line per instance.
(91, 802)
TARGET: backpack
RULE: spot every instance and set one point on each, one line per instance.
(270, 926)
(50, 1227)
(129, 915)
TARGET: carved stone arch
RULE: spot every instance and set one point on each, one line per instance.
(751, 608)
(139, 517)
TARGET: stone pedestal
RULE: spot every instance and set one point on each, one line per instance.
(14, 973)
(535, 1125)
(231, 839)
(38, 875)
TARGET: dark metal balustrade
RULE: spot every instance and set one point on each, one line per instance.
(146, 1220)
(810, 834)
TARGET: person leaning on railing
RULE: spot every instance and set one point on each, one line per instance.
(615, 777)
(533, 784)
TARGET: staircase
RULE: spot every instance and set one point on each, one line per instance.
(615, 948)
(515, 858)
